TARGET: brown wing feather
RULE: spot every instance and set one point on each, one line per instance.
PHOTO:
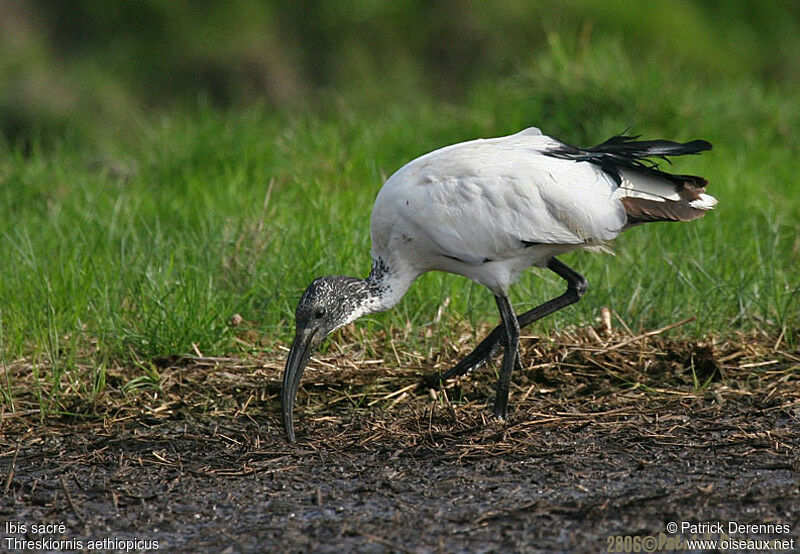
(642, 210)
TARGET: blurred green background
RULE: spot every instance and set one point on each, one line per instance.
(165, 165)
(71, 64)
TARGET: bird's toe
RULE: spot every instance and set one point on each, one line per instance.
(500, 413)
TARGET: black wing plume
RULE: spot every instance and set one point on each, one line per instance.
(623, 151)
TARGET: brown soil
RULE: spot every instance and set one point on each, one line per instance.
(607, 436)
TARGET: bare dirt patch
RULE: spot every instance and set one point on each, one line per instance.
(606, 436)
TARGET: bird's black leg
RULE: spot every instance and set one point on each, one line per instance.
(510, 326)
(576, 287)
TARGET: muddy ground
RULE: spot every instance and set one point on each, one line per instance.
(607, 436)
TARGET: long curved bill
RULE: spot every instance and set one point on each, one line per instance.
(295, 366)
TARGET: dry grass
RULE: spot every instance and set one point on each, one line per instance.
(598, 376)
(609, 433)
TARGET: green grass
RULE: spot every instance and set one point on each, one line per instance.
(144, 243)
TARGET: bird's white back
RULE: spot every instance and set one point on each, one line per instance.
(499, 202)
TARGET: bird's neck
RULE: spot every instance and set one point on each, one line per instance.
(386, 284)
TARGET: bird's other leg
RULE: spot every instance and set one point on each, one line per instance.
(576, 287)
(510, 326)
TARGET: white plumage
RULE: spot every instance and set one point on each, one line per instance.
(487, 210)
(470, 208)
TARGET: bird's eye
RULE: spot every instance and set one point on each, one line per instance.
(320, 313)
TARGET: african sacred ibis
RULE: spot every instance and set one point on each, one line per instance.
(487, 210)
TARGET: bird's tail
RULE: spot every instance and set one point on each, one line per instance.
(648, 196)
(648, 193)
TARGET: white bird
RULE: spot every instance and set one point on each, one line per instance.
(488, 210)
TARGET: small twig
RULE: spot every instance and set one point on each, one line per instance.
(393, 394)
(380, 540)
(70, 501)
(651, 333)
(622, 321)
(605, 318)
(397, 400)
(8, 415)
(442, 307)
(317, 360)
(241, 410)
(527, 393)
(10, 476)
(758, 364)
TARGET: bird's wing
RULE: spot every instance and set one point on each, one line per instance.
(486, 200)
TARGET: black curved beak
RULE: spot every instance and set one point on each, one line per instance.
(299, 354)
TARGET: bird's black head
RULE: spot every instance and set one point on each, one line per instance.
(326, 305)
(329, 303)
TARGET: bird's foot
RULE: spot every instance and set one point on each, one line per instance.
(500, 410)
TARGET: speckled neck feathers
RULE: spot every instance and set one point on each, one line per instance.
(386, 285)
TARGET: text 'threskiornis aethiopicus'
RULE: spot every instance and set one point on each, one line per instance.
(487, 210)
